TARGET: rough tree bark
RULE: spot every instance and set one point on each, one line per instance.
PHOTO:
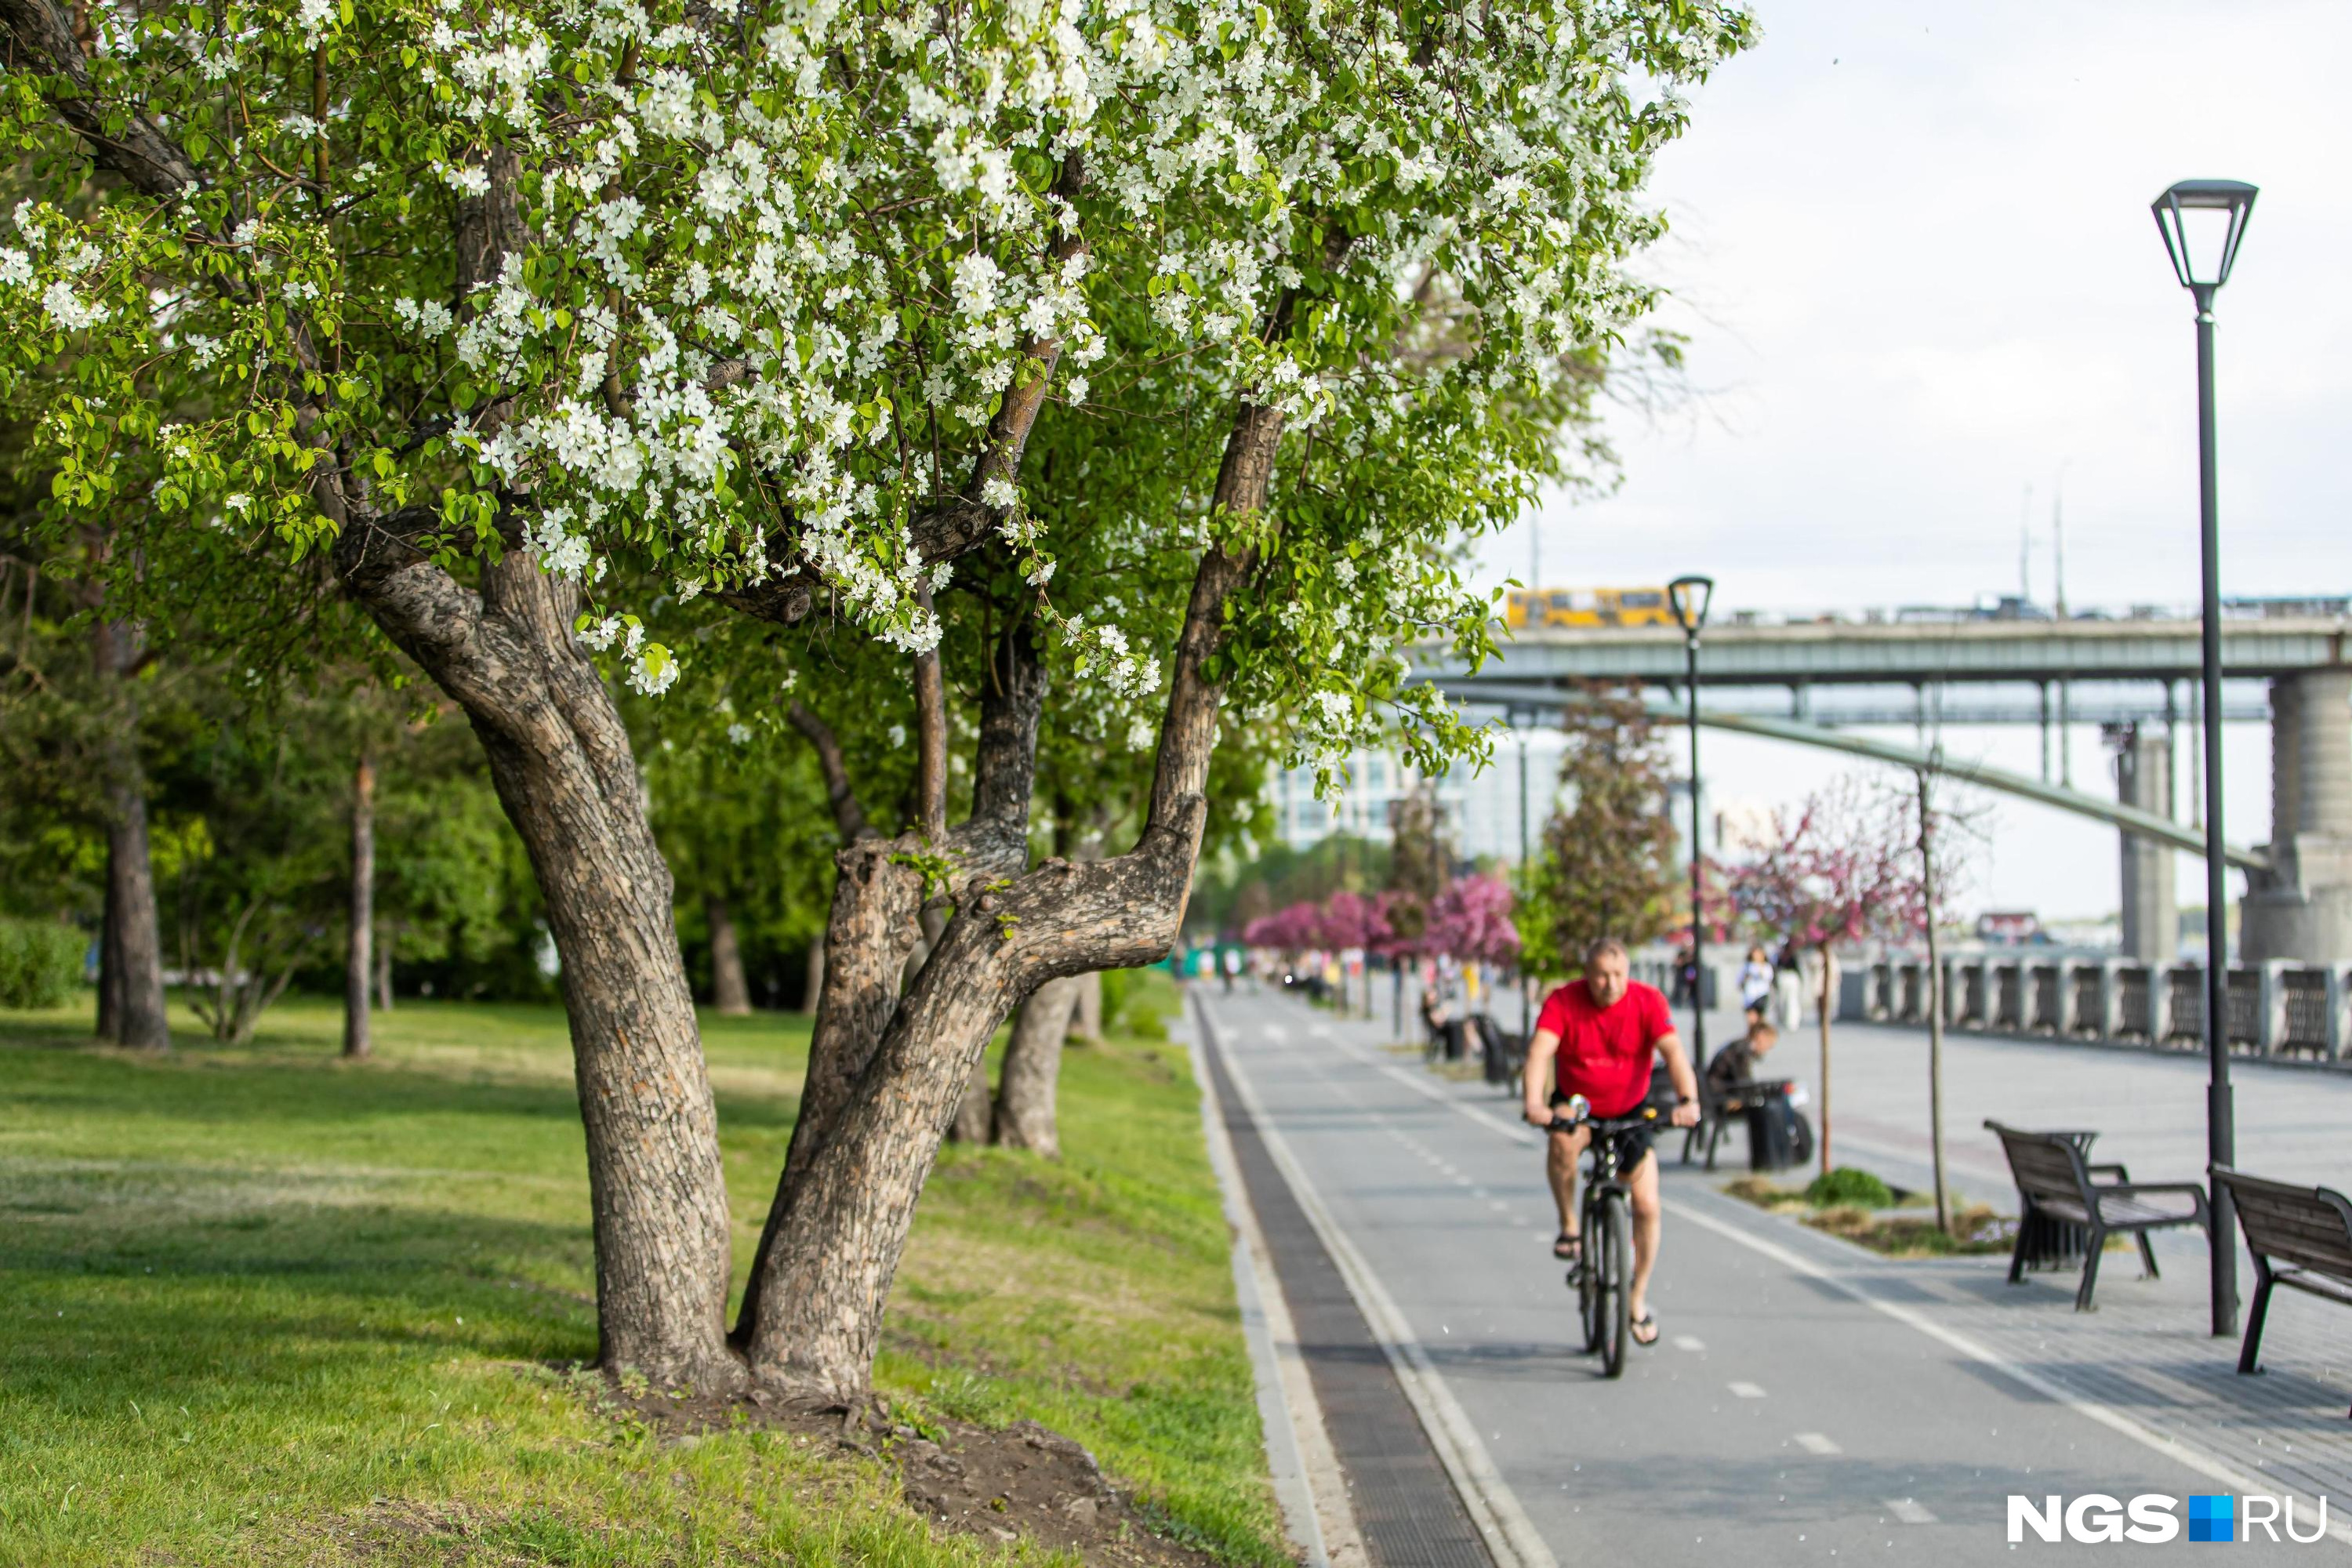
(814, 985)
(562, 763)
(561, 760)
(133, 943)
(1026, 1097)
(839, 1224)
(358, 961)
(730, 995)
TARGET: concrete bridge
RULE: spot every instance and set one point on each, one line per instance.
(1803, 680)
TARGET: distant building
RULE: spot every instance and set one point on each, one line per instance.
(1482, 809)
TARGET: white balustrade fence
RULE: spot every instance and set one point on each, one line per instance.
(2277, 1009)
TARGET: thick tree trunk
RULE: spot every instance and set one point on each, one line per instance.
(562, 763)
(1085, 1020)
(730, 996)
(110, 960)
(825, 1272)
(137, 934)
(1027, 1083)
(136, 976)
(973, 1112)
(358, 961)
(813, 987)
(813, 1315)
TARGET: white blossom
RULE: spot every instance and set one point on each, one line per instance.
(69, 310)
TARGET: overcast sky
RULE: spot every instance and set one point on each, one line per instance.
(1912, 248)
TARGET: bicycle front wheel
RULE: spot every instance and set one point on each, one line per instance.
(1614, 1261)
(1587, 1281)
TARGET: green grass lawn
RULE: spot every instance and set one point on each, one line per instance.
(258, 1305)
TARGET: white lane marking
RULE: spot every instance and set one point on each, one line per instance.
(1814, 1443)
(1745, 1390)
(1689, 1342)
(1486, 1496)
(1909, 1511)
(1308, 1482)
(1276, 1033)
(2204, 1464)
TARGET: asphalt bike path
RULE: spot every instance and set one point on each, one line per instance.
(1801, 1404)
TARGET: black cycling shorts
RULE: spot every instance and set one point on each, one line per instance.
(1632, 1145)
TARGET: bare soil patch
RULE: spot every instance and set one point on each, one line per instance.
(997, 1484)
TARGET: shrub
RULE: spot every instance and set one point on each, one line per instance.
(1847, 1186)
(40, 962)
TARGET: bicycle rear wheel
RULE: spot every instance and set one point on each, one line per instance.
(1615, 1264)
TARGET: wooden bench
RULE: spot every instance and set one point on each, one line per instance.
(2055, 1181)
(2300, 1236)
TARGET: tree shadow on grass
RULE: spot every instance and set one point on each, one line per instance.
(289, 1303)
(56, 1075)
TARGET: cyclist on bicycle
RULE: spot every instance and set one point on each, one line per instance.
(1600, 1034)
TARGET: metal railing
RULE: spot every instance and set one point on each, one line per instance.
(2277, 1009)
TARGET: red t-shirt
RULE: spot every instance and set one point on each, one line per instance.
(1605, 1052)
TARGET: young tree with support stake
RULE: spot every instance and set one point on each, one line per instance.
(936, 329)
(1831, 873)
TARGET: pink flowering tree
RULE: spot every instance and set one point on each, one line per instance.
(1471, 920)
(1832, 871)
(1354, 919)
(1290, 931)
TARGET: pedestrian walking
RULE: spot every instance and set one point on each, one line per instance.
(1789, 989)
(1755, 986)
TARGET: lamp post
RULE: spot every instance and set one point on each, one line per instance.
(1690, 596)
(1526, 1006)
(2202, 222)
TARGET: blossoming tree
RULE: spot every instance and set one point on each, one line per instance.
(1835, 871)
(1159, 347)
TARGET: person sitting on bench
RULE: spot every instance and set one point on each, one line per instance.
(1734, 1066)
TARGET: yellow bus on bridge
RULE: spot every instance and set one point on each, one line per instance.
(1539, 608)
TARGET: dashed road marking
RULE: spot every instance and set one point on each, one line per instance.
(1689, 1342)
(1745, 1389)
(1910, 1511)
(1815, 1443)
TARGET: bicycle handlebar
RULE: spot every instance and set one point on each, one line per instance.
(1647, 1117)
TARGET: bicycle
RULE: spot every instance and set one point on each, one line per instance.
(1604, 1274)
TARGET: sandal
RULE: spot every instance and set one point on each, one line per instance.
(1569, 1248)
(1646, 1321)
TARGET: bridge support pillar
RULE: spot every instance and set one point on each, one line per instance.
(2152, 933)
(2302, 907)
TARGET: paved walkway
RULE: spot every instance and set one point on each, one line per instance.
(2148, 1107)
(1808, 1399)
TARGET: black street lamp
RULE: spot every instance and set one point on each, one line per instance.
(1690, 597)
(1527, 870)
(2202, 222)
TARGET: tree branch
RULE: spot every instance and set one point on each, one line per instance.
(1188, 732)
(931, 739)
(847, 815)
(41, 42)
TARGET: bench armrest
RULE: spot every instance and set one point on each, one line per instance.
(2140, 1189)
(2118, 1172)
